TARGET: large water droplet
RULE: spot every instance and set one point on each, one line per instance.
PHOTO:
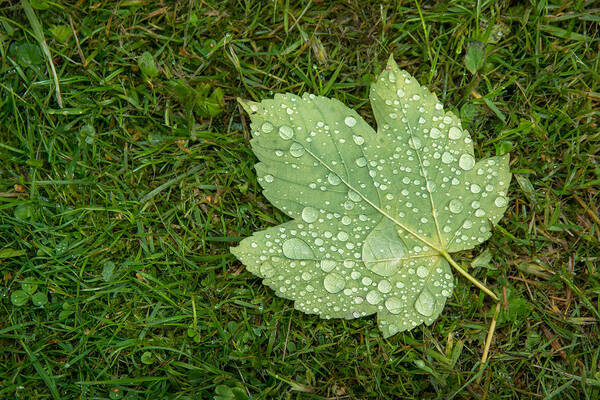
(447, 158)
(361, 162)
(297, 249)
(435, 133)
(296, 149)
(334, 282)
(374, 297)
(310, 214)
(355, 197)
(342, 236)
(334, 179)
(267, 270)
(454, 133)
(500, 201)
(286, 132)
(422, 271)
(455, 206)
(425, 303)
(384, 286)
(268, 178)
(466, 162)
(267, 127)
(350, 121)
(393, 305)
(327, 265)
(475, 188)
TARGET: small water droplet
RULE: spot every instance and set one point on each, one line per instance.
(435, 133)
(346, 220)
(454, 133)
(267, 270)
(500, 201)
(350, 121)
(359, 140)
(334, 282)
(342, 236)
(268, 178)
(355, 197)
(455, 206)
(415, 142)
(392, 77)
(286, 132)
(310, 214)
(475, 188)
(447, 158)
(296, 149)
(267, 127)
(466, 162)
(425, 303)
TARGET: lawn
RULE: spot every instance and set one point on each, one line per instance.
(123, 187)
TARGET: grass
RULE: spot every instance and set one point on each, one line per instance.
(121, 205)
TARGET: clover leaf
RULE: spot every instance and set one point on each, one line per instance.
(375, 214)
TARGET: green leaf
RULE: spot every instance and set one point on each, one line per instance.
(29, 285)
(147, 65)
(39, 299)
(147, 358)
(107, 271)
(9, 253)
(375, 214)
(475, 56)
(19, 298)
(62, 33)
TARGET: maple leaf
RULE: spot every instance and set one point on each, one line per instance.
(375, 215)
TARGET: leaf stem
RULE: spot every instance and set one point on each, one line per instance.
(468, 276)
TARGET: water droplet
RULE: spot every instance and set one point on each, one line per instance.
(267, 127)
(415, 142)
(355, 275)
(454, 133)
(310, 214)
(334, 179)
(306, 276)
(392, 77)
(466, 162)
(374, 297)
(361, 162)
(425, 303)
(355, 197)
(384, 286)
(435, 133)
(422, 271)
(393, 305)
(479, 213)
(286, 132)
(447, 158)
(297, 249)
(342, 236)
(400, 93)
(334, 282)
(267, 270)
(455, 206)
(327, 265)
(359, 140)
(346, 220)
(296, 149)
(350, 121)
(366, 281)
(500, 201)
(268, 178)
(475, 188)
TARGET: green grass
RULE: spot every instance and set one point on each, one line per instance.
(122, 205)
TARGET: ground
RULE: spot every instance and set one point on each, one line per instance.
(121, 194)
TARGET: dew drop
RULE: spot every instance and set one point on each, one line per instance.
(310, 214)
(342, 236)
(333, 179)
(425, 303)
(334, 282)
(475, 188)
(267, 127)
(400, 93)
(296, 149)
(359, 140)
(346, 220)
(455, 206)
(267, 270)
(422, 271)
(327, 265)
(454, 133)
(466, 162)
(268, 178)
(435, 133)
(447, 158)
(361, 162)
(374, 297)
(355, 197)
(297, 249)
(393, 305)
(392, 77)
(415, 142)
(384, 286)
(500, 201)
(286, 132)
(350, 121)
